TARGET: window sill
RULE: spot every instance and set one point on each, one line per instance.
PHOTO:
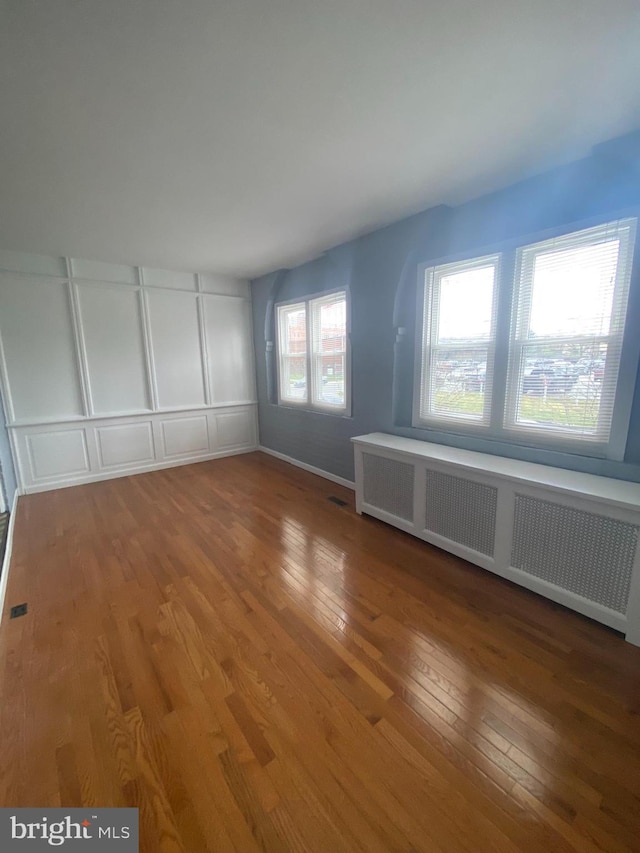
(513, 438)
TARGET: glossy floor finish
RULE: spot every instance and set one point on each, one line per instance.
(4, 523)
(258, 668)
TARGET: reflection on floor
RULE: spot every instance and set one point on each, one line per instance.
(258, 668)
(4, 523)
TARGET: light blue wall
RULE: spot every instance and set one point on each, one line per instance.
(380, 271)
(6, 461)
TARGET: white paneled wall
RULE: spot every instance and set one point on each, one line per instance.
(111, 329)
(177, 349)
(228, 321)
(39, 348)
(109, 369)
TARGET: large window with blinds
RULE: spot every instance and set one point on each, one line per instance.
(539, 362)
(313, 353)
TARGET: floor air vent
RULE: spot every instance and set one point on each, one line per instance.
(388, 485)
(588, 554)
(337, 501)
(461, 510)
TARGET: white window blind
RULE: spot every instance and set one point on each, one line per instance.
(458, 341)
(566, 333)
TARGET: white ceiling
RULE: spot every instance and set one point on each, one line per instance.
(246, 135)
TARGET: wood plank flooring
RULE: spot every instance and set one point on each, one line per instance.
(257, 668)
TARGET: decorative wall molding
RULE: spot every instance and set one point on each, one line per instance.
(127, 414)
(108, 368)
(185, 435)
(52, 456)
(51, 453)
(120, 445)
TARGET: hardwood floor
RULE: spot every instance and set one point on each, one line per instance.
(257, 668)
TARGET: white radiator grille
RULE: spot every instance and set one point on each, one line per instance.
(461, 510)
(583, 552)
(388, 485)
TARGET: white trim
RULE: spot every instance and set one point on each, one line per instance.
(427, 316)
(306, 303)
(279, 310)
(69, 454)
(620, 493)
(55, 278)
(30, 264)
(80, 349)
(147, 339)
(79, 419)
(204, 349)
(7, 399)
(612, 444)
(6, 563)
(348, 484)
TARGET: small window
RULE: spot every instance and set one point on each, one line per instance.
(313, 363)
(292, 350)
(458, 342)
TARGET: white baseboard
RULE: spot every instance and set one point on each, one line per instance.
(348, 484)
(4, 578)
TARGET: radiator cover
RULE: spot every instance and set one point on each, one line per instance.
(584, 552)
(462, 510)
(388, 485)
(571, 537)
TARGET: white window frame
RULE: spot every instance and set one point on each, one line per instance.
(603, 440)
(282, 355)
(501, 424)
(427, 349)
(313, 355)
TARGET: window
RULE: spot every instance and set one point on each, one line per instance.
(566, 336)
(459, 340)
(313, 353)
(555, 341)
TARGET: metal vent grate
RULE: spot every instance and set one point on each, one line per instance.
(18, 610)
(583, 552)
(461, 510)
(388, 485)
